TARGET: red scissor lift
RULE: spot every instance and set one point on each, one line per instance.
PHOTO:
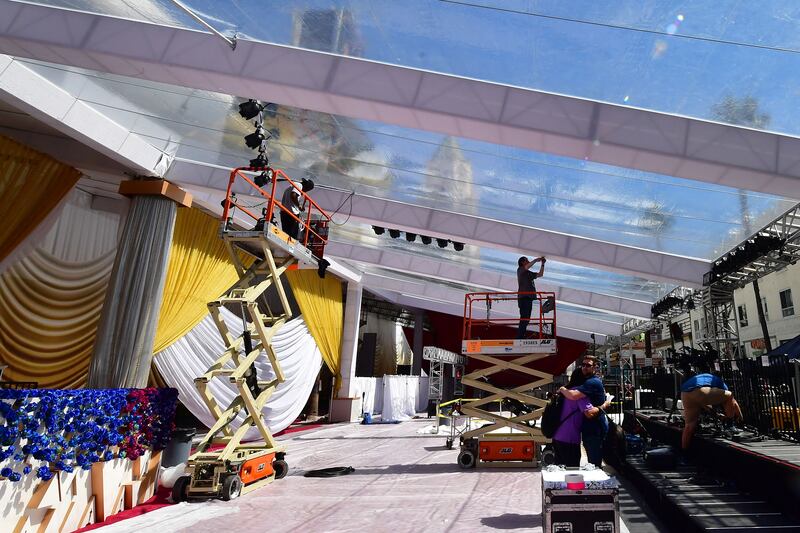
(510, 438)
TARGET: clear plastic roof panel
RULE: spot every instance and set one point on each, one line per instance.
(556, 273)
(464, 289)
(503, 183)
(736, 62)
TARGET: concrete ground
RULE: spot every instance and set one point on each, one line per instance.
(404, 480)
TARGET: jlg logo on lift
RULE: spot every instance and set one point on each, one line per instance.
(506, 451)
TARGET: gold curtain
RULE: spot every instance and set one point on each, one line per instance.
(31, 185)
(198, 272)
(48, 318)
(320, 301)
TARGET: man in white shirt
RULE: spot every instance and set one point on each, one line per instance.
(291, 202)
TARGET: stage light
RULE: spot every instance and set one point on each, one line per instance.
(378, 230)
(458, 246)
(260, 162)
(442, 243)
(689, 303)
(249, 109)
(411, 237)
(262, 179)
(394, 233)
(322, 266)
(255, 139)
(426, 240)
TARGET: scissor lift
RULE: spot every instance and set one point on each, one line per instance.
(510, 439)
(223, 466)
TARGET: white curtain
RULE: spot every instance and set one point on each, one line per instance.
(124, 345)
(393, 397)
(191, 356)
(371, 391)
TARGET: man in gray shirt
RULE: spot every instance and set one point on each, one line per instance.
(525, 285)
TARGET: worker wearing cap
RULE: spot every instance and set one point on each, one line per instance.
(525, 285)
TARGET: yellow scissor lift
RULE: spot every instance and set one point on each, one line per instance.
(510, 439)
(223, 466)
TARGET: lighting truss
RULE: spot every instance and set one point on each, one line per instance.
(787, 227)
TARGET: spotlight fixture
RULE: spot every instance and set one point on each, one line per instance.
(249, 109)
(260, 162)
(411, 237)
(426, 239)
(442, 243)
(262, 179)
(458, 246)
(689, 303)
(394, 233)
(378, 230)
(322, 266)
(255, 139)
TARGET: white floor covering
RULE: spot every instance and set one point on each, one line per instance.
(405, 480)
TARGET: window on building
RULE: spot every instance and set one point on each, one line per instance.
(703, 325)
(787, 306)
(742, 316)
(697, 326)
(764, 308)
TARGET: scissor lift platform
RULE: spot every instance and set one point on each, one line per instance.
(223, 466)
(510, 439)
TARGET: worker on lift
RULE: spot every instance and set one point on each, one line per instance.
(525, 284)
(291, 202)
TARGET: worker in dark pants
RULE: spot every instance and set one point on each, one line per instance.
(525, 284)
(291, 203)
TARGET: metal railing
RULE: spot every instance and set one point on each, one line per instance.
(314, 227)
(478, 305)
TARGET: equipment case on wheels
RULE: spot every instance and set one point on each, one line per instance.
(589, 510)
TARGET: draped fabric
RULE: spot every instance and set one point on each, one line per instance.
(31, 185)
(124, 347)
(320, 302)
(395, 398)
(52, 297)
(190, 356)
(199, 271)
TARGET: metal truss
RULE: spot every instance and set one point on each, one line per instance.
(786, 226)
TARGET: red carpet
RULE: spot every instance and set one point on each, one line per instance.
(160, 499)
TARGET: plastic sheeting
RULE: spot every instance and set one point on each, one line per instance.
(395, 398)
(191, 356)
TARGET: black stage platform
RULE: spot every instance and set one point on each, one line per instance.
(729, 487)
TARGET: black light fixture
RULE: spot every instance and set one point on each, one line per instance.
(458, 246)
(689, 303)
(394, 233)
(260, 162)
(249, 109)
(255, 139)
(442, 243)
(426, 240)
(378, 230)
(411, 237)
(261, 180)
(322, 266)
